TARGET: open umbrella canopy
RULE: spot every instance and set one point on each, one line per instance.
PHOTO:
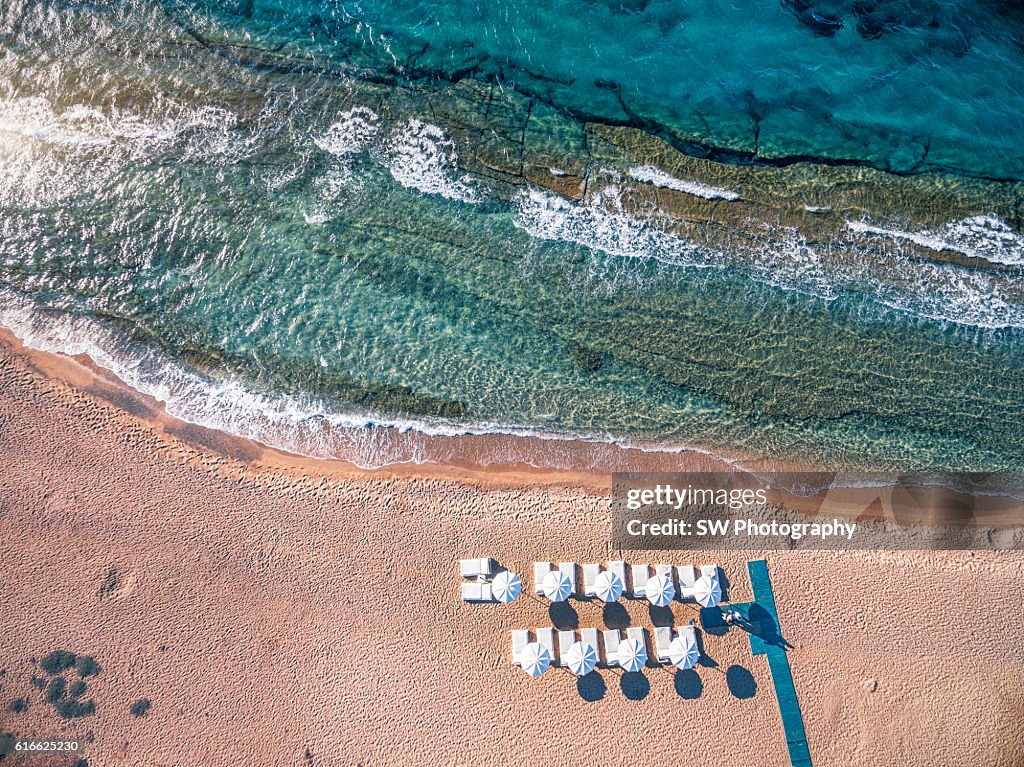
(683, 652)
(608, 586)
(660, 591)
(707, 591)
(632, 655)
(535, 659)
(581, 658)
(557, 586)
(506, 586)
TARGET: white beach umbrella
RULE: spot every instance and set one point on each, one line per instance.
(632, 655)
(535, 659)
(683, 652)
(506, 586)
(707, 591)
(557, 586)
(660, 591)
(608, 586)
(581, 658)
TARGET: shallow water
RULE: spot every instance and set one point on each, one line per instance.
(282, 221)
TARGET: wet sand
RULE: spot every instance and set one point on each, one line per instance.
(276, 612)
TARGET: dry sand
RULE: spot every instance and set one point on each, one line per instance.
(290, 615)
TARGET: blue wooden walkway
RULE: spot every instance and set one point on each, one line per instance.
(761, 619)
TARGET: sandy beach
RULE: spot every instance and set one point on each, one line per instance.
(281, 612)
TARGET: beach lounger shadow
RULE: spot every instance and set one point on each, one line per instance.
(723, 582)
(705, 660)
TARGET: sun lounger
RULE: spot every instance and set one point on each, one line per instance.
(667, 571)
(480, 568)
(639, 634)
(688, 630)
(662, 639)
(611, 646)
(477, 591)
(619, 568)
(566, 639)
(540, 569)
(589, 636)
(687, 579)
(640, 575)
(546, 638)
(520, 638)
(709, 570)
(590, 573)
(569, 569)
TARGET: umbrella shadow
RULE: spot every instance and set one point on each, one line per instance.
(615, 616)
(688, 684)
(563, 616)
(591, 687)
(661, 616)
(741, 682)
(635, 685)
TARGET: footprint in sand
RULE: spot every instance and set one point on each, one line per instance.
(115, 585)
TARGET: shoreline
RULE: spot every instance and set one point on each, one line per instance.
(80, 373)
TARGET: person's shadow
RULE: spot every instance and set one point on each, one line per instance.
(761, 623)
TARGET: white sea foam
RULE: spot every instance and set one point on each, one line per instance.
(421, 156)
(46, 155)
(658, 177)
(986, 237)
(600, 224)
(784, 259)
(352, 132)
(86, 127)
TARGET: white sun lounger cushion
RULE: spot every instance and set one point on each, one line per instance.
(540, 569)
(640, 575)
(590, 573)
(520, 638)
(566, 639)
(611, 646)
(662, 640)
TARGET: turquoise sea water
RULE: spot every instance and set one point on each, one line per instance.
(284, 219)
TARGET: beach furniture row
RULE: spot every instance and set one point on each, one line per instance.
(660, 584)
(582, 651)
(485, 581)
